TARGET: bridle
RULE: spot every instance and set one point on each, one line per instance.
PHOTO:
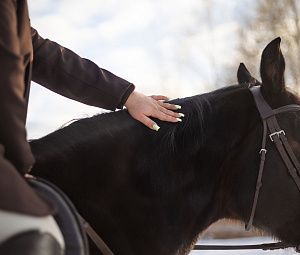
(277, 136)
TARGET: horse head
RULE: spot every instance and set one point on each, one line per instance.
(278, 208)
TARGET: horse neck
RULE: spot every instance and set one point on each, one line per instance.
(237, 136)
(194, 171)
(173, 175)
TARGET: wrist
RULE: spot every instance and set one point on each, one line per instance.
(130, 99)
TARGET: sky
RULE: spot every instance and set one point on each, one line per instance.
(171, 47)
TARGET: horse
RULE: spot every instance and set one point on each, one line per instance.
(148, 192)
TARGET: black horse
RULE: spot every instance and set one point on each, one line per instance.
(148, 192)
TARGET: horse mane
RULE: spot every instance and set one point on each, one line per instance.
(172, 137)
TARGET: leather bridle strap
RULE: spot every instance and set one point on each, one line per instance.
(262, 152)
(285, 150)
(287, 146)
(101, 245)
(277, 136)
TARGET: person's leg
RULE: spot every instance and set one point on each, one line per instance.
(15, 193)
(26, 224)
(14, 223)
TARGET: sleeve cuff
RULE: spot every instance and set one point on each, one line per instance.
(125, 96)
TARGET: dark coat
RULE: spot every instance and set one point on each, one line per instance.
(26, 56)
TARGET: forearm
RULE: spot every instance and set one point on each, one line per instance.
(66, 73)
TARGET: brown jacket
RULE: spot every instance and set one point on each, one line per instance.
(24, 55)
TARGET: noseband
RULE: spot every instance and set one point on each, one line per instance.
(277, 136)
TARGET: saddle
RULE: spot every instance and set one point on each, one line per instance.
(67, 217)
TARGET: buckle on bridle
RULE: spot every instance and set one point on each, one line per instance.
(276, 133)
(263, 151)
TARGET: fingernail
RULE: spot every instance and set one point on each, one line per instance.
(178, 119)
(177, 106)
(181, 114)
(155, 127)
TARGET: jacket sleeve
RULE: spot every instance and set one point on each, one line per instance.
(12, 101)
(64, 72)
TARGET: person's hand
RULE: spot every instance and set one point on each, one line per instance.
(142, 107)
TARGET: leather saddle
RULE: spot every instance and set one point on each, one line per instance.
(67, 217)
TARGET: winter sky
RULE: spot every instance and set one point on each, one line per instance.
(170, 47)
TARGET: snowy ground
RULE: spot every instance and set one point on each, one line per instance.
(253, 240)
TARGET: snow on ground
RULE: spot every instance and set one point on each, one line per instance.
(240, 241)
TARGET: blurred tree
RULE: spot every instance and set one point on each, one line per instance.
(272, 18)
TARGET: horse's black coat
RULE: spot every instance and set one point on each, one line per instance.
(149, 192)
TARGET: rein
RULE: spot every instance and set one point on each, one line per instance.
(277, 135)
(101, 245)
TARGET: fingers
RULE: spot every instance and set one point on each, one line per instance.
(163, 111)
(169, 106)
(159, 97)
(148, 122)
(165, 117)
(142, 108)
(161, 115)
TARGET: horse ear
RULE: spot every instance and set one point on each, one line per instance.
(244, 76)
(272, 67)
